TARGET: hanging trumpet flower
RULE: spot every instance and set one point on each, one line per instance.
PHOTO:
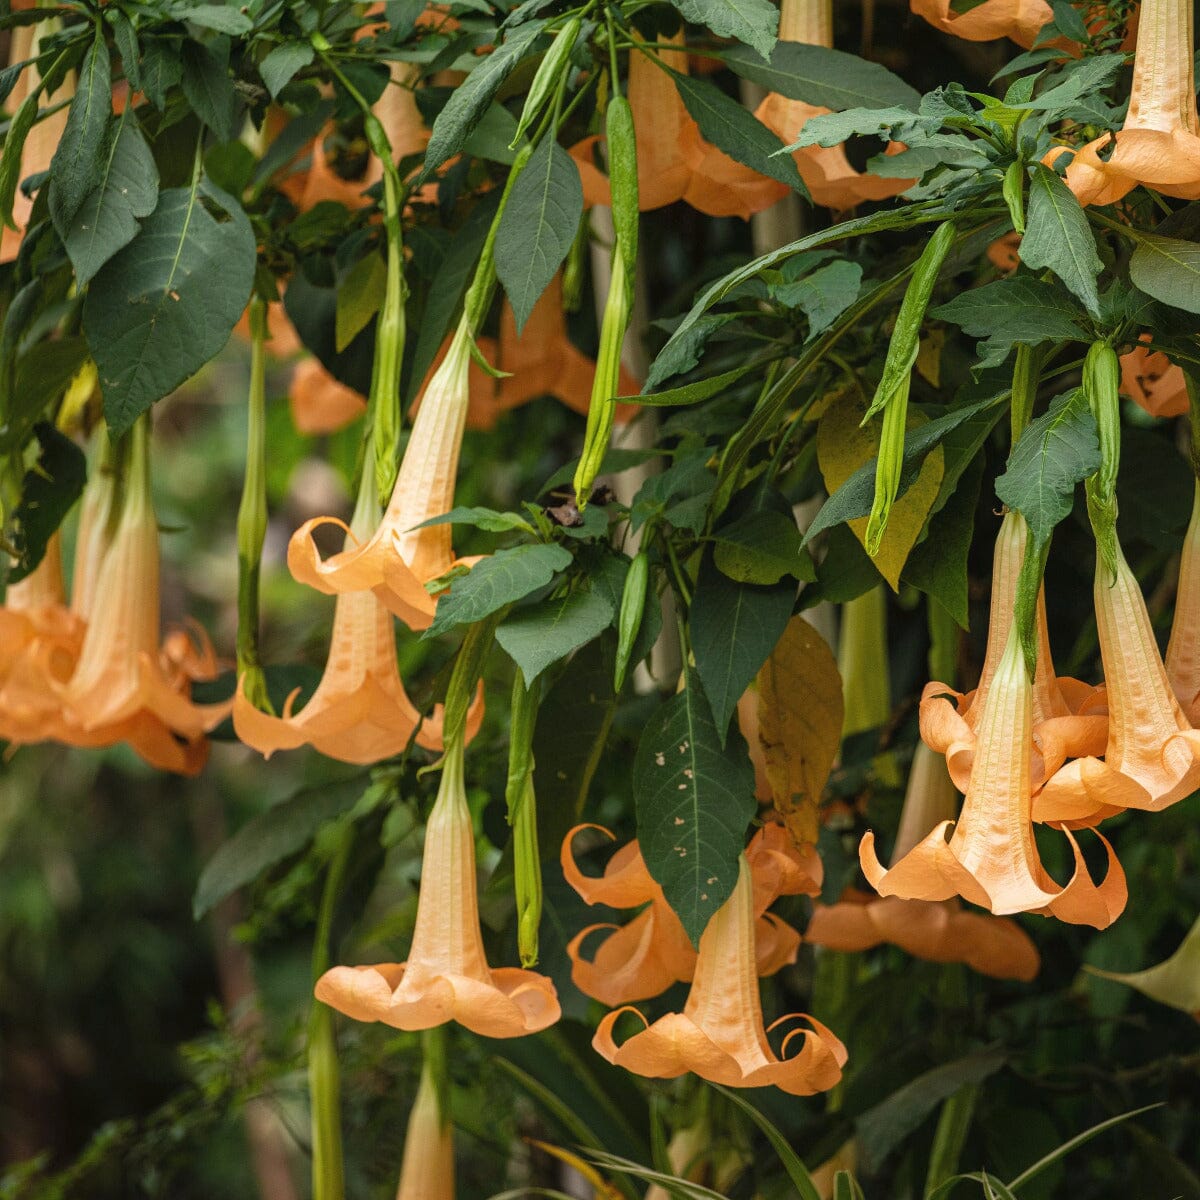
(938, 931)
(826, 170)
(1159, 144)
(1020, 20)
(720, 1034)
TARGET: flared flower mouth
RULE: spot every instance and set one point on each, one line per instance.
(674, 161)
(1067, 716)
(1158, 145)
(989, 855)
(644, 957)
(1153, 382)
(1020, 20)
(398, 558)
(1152, 754)
(446, 976)
(720, 1034)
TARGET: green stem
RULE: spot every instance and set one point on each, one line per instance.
(1026, 374)
(328, 1182)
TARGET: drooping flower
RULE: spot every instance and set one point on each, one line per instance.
(428, 1169)
(446, 976)
(674, 161)
(826, 170)
(1152, 755)
(123, 689)
(360, 712)
(397, 560)
(320, 403)
(1159, 143)
(1068, 716)
(43, 138)
(1020, 20)
(652, 951)
(1005, 252)
(989, 856)
(720, 1034)
(1182, 659)
(935, 930)
(1153, 381)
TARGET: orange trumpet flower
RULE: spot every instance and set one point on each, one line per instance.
(720, 1034)
(938, 931)
(674, 161)
(397, 560)
(826, 170)
(446, 977)
(43, 138)
(989, 855)
(1159, 144)
(1020, 20)
(320, 403)
(1068, 715)
(1153, 381)
(652, 951)
(1152, 756)
(123, 688)
(360, 712)
(1183, 650)
(428, 1169)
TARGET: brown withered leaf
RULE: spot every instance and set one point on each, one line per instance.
(799, 724)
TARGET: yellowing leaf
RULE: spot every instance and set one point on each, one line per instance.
(799, 724)
(842, 447)
(602, 1189)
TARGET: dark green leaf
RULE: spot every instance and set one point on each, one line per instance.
(754, 22)
(1057, 451)
(269, 838)
(359, 297)
(77, 161)
(125, 37)
(43, 373)
(48, 493)
(761, 547)
(1013, 312)
(481, 518)
(469, 101)
(278, 68)
(538, 226)
(544, 633)
(10, 159)
(683, 353)
(126, 190)
(163, 306)
(734, 130)
(882, 1128)
(692, 393)
(224, 18)
(1059, 238)
(499, 579)
(824, 77)
(734, 626)
(1168, 269)
(162, 69)
(209, 89)
(694, 801)
(822, 296)
(832, 129)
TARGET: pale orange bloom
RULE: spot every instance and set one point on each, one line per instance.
(989, 856)
(1152, 756)
(647, 955)
(428, 1169)
(674, 161)
(282, 339)
(320, 403)
(1068, 716)
(1153, 381)
(446, 977)
(720, 1034)
(43, 138)
(1020, 20)
(92, 536)
(826, 170)
(397, 560)
(1159, 144)
(360, 712)
(935, 930)
(123, 689)
(1183, 650)
(1005, 252)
